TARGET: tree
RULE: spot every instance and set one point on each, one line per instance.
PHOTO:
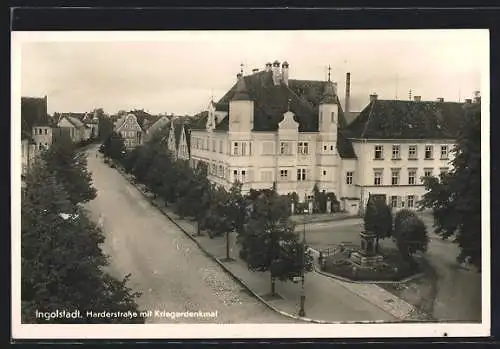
(226, 213)
(114, 147)
(269, 241)
(105, 127)
(378, 219)
(70, 169)
(61, 261)
(455, 198)
(410, 234)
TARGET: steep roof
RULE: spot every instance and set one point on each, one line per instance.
(75, 121)
(391, 119)
(271, 102)
(141, 116)
(351, 116)
(33, 113)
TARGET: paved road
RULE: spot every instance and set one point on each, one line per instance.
(166, 266)
(459, 291)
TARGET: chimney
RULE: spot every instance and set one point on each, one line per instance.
(417, 98)
(269, 66)
(347, 91)
(255, 70)
(284, 72)
(276, 73)
(440, 99)
(477, 97)
(239, 76)
(468, 101)
(373, 97)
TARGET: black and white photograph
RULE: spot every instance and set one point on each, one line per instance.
(250, 184)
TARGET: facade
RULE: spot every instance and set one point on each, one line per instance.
(130, 130)
(398, 143)
(271, 129)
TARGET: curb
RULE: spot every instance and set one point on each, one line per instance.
(241, 282)
(298, 221)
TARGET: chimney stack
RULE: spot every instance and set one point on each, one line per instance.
(440, 99)
(276, 73)
(269, 66)
(284, 72)
(239, 76)
(409, 95)
(477, 96)
(255, 70)
(417, 98)
(347, 91)
(373, 97)
(468, 101)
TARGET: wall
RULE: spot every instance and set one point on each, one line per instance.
(42, 137)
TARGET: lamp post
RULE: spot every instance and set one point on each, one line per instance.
(302, 311)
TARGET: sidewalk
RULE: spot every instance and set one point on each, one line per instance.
(322, 293)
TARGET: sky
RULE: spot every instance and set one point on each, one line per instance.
(179, 72)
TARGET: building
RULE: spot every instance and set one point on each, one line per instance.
(397, 144)
(179, 140)
(36, 129)
(271, 129)
(77, 130)
(130, 130)
(154, 124)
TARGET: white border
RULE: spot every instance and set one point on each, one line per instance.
(211, 331)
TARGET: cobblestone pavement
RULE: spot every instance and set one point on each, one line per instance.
(166, 266)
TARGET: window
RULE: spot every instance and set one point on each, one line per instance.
(249, 148)
(45, 131)
(428, 152)
(236, 149)
(235, 174)
(303, 148)
(320, 117)
(379, 152)
(301, 174)
(39, 131)
(394, 201)
(283, 174)
(214, 170)
(266, 176)
(243, 176)
(412, 152)
(243, 148)
(412, 175)
(221, 146)
(331, 147)
(333, 116)
(396, 152)
(443, 171)
(214, 149)
(284, 148)
(40, 146)
(444, 152)
(428, 172)
(410, 201)
(395, 176)
(324, 172)
(325, 147)
(348, 177)
(377, 175)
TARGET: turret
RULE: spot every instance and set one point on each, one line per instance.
(328, 110)
(241, 109)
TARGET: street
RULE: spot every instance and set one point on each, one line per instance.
(458, 290)
(166, 266)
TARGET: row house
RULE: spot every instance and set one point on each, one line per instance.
(271, 129)
(77, 130)
(179, 140)
(130, 130)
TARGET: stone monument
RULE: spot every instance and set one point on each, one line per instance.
(366, 256)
